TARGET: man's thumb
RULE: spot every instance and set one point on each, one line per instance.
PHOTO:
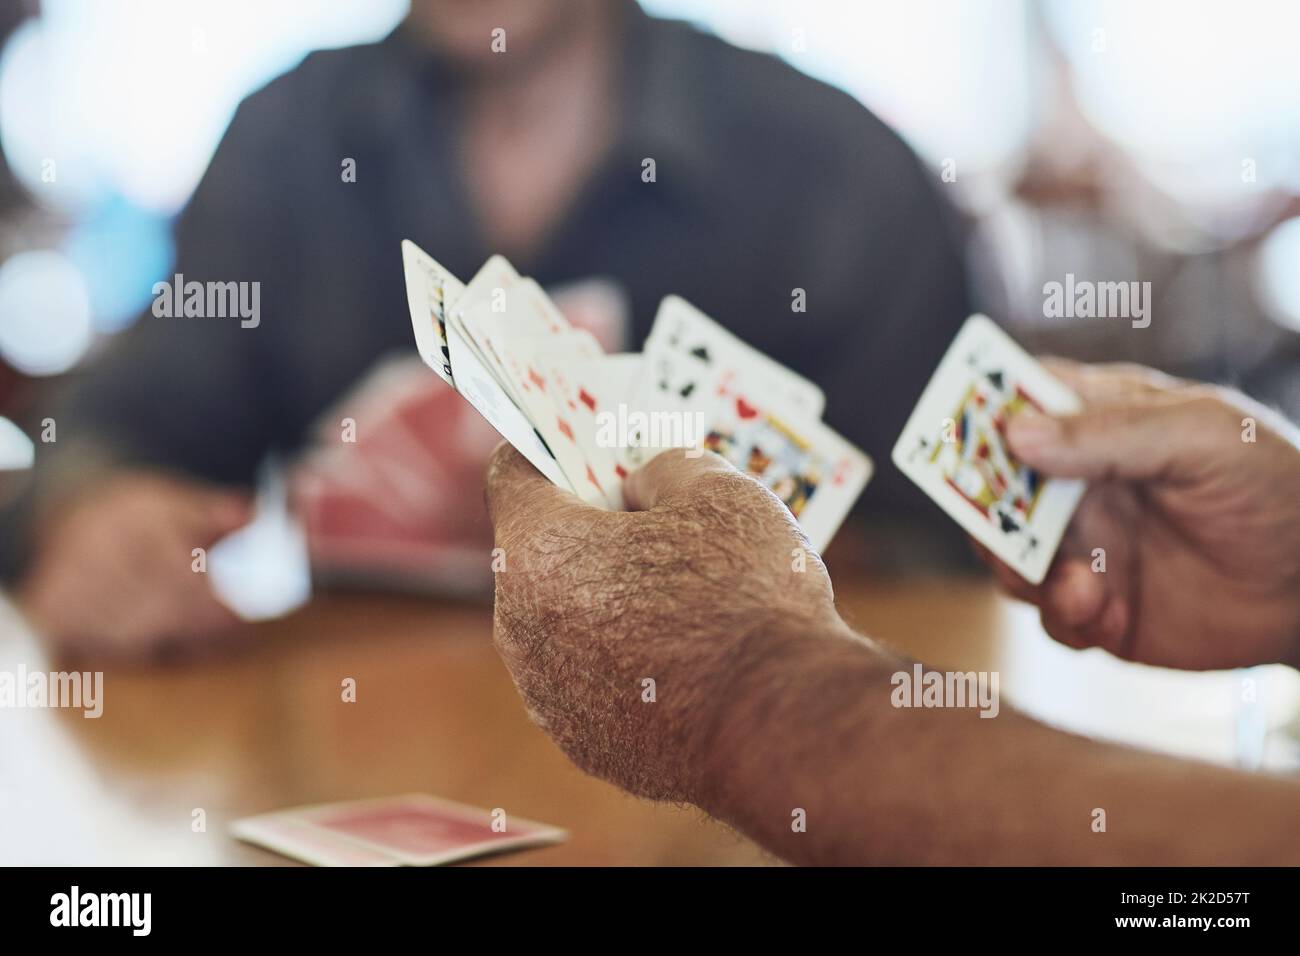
(670, 474)
(1137, 442)
(513, 488)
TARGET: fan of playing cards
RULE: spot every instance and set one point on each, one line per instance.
(586, 419)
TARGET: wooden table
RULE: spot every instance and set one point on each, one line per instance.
(266, 728)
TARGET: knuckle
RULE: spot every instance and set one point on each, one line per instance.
(724, 487)
(1106, 421)
(493, 474)
(1202, 414)
(498, 461)
(1209, 403)
(1136, 373)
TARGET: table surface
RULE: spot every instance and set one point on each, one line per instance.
(265, 728)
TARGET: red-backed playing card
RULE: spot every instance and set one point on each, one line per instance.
(414, 830)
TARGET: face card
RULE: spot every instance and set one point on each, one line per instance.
(816, 473)
(429, 288)
(414, 830)
(954, 448)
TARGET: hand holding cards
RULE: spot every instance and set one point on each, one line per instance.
(954, 448)
(586, 419)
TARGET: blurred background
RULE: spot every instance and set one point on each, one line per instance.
(1105, 139)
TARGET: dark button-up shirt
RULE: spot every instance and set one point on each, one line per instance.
(766, 181)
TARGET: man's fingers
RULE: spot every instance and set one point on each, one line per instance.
(515, 491)
(1077, 603)
(671, 474)
(1074, 595)
(1070, 593)
(1137, 424)
(1135, 441)
(1111, 382)
(1008, 579)
(1061, 632)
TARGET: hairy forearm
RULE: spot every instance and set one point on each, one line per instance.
(808, 731)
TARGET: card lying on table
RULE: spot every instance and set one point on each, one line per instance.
(953, 446)
(586, 420)
(411, 830)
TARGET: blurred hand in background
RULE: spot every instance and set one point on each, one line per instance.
(1194, 508)
(116, 565)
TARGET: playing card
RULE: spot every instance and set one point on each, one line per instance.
(707, 354)
(300, 840)
(667, 405)
(429, 288)
(546, 317)
(385, 460)
(486, 294)
(815, 472)
(498, 307)
(412, 830)
(689, 364)
(585, 420)
(601, 388)
(517, 337)
(559, 364)
(473, 320)
(484, 391)
(953, 447)
(600, 305)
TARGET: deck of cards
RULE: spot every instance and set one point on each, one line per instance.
(411, 830)
(586, 419)
(954, 447)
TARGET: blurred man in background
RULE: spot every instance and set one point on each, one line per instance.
(533, 142)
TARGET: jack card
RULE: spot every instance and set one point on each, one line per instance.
(816, 473)
(953, 447)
